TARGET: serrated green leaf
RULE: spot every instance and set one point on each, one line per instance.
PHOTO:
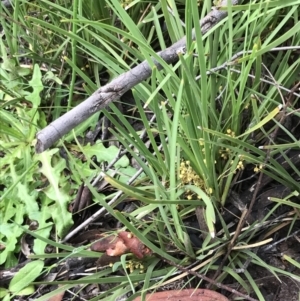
(126, 173)
(21, 71)
(105, 154)
(44, 226)
(57, 190)
(25, 276)
(37, 85)
(29, 199)
(12, 232)
(50, 76)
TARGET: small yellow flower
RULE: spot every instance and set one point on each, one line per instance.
(240, 165)
(258, 168)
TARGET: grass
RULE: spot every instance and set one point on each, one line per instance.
(210, 129)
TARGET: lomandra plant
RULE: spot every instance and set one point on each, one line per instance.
(206, 118)
(211, 110)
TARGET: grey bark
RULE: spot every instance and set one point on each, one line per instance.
(6, 3)
(118, 86)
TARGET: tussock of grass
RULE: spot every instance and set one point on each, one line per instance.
(219, 118)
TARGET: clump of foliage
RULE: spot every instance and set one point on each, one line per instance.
(213, 114)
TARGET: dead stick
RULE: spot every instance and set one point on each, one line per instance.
(121, 84)
(246, 213)
(203, 277)
(243, 219)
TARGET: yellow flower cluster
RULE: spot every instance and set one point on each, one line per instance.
(187, 175)
(132, 265)
(225, 152)
(124, 3)
(230, 133)
(240, 165)
(258, 168)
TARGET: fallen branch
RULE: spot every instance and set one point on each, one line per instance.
(118, 86)
(7, 3)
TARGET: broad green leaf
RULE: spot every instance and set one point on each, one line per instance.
(6, 298)
(3, 292)
(26, 291)
(25, 276)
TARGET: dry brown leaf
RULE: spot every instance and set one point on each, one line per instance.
(134, 245)
(118, 245)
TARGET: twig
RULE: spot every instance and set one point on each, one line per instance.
(271, 246)
(240, 226)
(267, 82)
(117, 87)
(121, 153)
(234, 58)
(233, 61)
(203, 277)
(246, 213)
(102, 210)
